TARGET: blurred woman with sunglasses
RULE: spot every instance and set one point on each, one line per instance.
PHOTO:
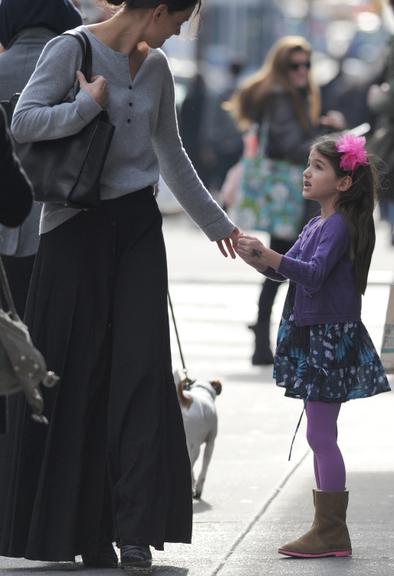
(283, 96)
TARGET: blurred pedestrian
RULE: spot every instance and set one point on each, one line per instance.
(113, 463)
(324, 353)
(347, 91)
(281, 98)
(223, 136)
(25, 28)
(381, 103)
(15, 205)
(15, 188)
(193, 126)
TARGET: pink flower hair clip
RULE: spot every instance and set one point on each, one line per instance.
(353, 153)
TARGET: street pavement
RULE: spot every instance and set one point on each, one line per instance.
(254, 499)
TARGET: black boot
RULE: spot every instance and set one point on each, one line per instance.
(105, 557)
(135, 556)
(262, 355)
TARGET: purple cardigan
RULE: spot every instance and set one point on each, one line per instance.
(321, 268)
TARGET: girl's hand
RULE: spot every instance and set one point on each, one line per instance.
(252, 251)
(97, 88)
(230, 243)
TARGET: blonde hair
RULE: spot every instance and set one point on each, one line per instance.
(248, 102)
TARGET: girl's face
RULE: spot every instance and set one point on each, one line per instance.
(298, 69)
(166, 24)
(321, 183)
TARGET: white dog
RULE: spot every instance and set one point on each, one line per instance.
(200, 419)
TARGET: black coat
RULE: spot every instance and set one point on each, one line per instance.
(15, 189)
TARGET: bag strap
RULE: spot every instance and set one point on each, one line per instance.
(6, 292)
(263, 136)
(86, 66)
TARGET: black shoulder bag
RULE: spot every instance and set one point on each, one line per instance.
(68, 170)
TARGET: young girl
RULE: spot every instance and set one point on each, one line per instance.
(324, 353)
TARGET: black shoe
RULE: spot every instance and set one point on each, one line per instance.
(264, 358)
(262, 355)
(135, 556)
(105, 558)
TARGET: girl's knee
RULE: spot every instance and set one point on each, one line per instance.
(321, 441)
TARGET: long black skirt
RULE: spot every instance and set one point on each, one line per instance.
(113, 462)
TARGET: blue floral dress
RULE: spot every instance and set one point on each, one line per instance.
(332, 362)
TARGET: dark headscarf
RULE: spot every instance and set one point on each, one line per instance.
(16, 15)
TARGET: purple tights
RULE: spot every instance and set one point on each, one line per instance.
(321, 434)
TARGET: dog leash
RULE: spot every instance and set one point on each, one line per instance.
(189, 381)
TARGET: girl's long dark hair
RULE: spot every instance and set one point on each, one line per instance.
(356, 205)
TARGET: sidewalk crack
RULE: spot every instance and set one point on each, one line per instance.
(259, 515)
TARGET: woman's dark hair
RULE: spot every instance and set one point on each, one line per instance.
(172, 5)
(356, 205)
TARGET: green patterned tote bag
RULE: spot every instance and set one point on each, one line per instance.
(271, 193)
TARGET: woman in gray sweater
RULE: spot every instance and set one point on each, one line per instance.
(113, 463)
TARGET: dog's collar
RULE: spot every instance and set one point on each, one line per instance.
(206, 386)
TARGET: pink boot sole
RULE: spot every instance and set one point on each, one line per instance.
(338, 554)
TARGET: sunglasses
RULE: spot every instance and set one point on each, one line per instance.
(298, 65)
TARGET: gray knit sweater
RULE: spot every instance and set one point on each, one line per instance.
(146, 139)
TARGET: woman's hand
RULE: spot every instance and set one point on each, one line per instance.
(334, 120)
(378, 97)
(252, 251)
(230, 243)
(97, 88)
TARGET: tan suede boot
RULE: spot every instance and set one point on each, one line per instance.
(328, 535)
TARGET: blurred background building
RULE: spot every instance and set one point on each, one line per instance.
(348, 37)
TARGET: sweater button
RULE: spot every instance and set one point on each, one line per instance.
(128, 120)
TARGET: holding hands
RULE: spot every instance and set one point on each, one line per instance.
(254, 253)
(229, 245)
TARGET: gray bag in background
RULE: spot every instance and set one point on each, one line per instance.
(22, 366)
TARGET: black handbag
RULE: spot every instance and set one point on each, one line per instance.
(68, 170)
(22, 366)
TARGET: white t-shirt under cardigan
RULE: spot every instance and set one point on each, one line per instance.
(146, 139)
